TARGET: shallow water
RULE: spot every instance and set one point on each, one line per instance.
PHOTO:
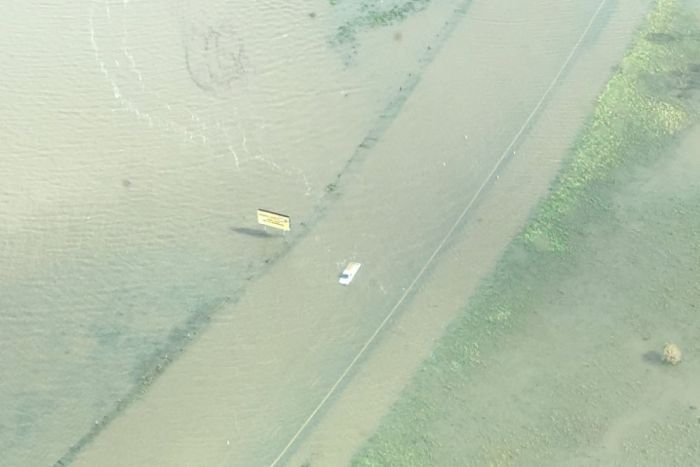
(142, 136)
(581, 381)
(137, 135)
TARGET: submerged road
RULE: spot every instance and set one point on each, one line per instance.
(260, 383)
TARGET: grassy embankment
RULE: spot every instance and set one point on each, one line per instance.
(646, 103)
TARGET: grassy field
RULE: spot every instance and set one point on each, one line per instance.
(556, 358)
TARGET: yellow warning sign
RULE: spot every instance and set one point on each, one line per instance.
(272, 219)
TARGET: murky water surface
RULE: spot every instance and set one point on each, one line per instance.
(139, 138)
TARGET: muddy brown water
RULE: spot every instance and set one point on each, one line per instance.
(210, 110)
(136, 136)
(355, 413)
(581, 380)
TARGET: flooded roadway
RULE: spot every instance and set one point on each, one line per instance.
(240, 393)
(142, 136)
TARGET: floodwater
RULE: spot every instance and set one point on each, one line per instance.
(144, 319)
(139, 139)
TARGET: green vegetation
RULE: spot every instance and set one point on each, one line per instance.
(373, 16)
(635, 116)
(645, 104)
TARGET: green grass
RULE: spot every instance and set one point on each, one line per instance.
(642, 108)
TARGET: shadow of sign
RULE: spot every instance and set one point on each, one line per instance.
(251, 232)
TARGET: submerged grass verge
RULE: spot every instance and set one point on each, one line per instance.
(644, 105)
(640, 109)
(373, 16)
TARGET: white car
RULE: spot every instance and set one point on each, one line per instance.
(349, 273)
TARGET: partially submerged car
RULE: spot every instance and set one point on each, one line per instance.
(349, 273)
